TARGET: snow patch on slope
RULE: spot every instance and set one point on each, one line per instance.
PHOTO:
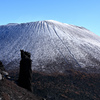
(51, 44)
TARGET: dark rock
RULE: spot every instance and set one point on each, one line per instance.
(1, 66)
(25, 73)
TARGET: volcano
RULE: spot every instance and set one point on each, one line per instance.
(54, 46)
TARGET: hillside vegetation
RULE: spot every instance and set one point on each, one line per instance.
(72, 85)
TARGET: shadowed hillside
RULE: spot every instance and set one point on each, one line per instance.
(10, 91)
(73, 85)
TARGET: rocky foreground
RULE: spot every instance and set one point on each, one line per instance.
(72, 85)
(10, 91)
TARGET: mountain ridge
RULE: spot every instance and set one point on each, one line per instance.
(51, 43)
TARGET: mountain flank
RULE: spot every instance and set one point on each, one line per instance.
(54, 46)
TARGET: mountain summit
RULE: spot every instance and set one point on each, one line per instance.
(54, 46)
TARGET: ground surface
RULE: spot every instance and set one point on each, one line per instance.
(10, 91)
(72, 85)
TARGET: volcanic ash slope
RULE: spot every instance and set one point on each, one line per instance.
(54, 46)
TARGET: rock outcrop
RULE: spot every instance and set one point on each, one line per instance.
(3, 72)
(1, 66)
(0, 76)
(25, 73)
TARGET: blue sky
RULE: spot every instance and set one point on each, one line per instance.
(84, 13)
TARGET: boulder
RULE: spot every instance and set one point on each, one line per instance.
(1, 76)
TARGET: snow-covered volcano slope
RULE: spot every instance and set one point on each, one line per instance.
(54, 46)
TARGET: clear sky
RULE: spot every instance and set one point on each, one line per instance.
(84, 13)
